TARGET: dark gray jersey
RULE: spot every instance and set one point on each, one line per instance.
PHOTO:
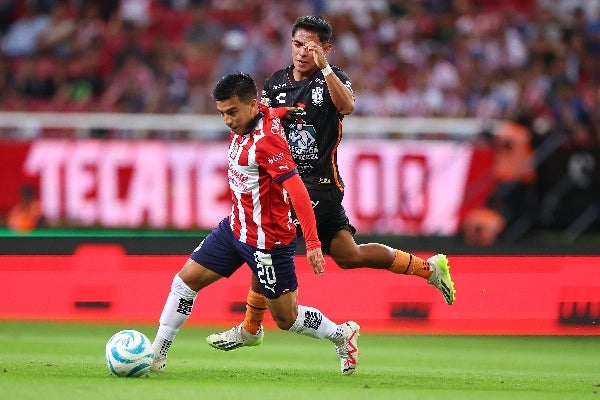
(313, 134)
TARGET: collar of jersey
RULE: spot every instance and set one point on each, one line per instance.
(254, 123)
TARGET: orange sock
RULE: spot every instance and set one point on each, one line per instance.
(256, 306)
(408, 264)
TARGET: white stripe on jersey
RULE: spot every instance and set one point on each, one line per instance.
(248, 183)
(256, 206)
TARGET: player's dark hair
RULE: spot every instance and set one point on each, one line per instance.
(235, 84)
(316, 24)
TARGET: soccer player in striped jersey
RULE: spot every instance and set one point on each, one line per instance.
(259, 231)
(312, 98)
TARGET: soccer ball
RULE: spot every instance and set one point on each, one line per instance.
(129, 353)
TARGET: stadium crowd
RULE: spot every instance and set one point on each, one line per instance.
(535, 62)
(456, 58)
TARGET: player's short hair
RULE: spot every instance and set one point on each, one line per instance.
(314, 23)
(235, 84)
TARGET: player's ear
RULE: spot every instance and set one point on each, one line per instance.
(327, 47)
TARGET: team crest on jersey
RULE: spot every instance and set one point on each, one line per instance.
(317, 96)
(233, 150)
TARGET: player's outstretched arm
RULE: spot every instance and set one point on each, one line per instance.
(316, 260)
(304, 211)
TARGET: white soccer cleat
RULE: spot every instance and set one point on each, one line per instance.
(440, 277)
(158, 364)
(234, 338)
(160, 347)
(347, 350)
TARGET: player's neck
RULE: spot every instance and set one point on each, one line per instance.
(300, 76)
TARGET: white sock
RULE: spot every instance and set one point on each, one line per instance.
(312, 322)
(176, 311)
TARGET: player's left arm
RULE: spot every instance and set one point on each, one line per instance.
(340, 94)
(304, 211)
(275, 157)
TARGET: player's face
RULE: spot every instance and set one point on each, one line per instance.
(303, 59)
(236, 114)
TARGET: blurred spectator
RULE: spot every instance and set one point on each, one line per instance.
(56, 37)
(85, 77)
(513, 154)
(482, 227)
(7, 10)
(27, 82)
(26, 215)
(135, 11)
(203, 29)
(236, 54)
(90, 27)
(21, 38)
(172, 82)
(569, 112)
(514, 171)
(130, 88)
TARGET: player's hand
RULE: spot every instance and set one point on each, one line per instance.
(284, 112)
(316, 260)
(318, 54)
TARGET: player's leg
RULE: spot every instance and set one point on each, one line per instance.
(178, 307)
(336, 235)
(279, 284)
(250, 332)
(214, 258)
(256, 307)
(311, 322)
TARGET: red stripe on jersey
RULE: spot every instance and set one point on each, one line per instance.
(260, 215)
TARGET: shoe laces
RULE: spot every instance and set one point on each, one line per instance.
(344, 347)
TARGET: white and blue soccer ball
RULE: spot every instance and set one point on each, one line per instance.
(129, 353)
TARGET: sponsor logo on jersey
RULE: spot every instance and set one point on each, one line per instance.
(348, 84)
(303, 144)
(276, 158)
(276, 128)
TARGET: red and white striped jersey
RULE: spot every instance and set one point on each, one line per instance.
(259, 161)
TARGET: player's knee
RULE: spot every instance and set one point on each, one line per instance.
(284, 319)
(346, 261)
(284, 323)
(344, 250)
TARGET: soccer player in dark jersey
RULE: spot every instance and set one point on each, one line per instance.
(313, 97)
(259, 231)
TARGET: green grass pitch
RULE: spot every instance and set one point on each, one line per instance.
(59, 361)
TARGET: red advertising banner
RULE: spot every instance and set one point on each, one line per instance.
(495, 295)
(399, 187)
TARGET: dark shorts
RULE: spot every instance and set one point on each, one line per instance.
(331, 218)
(222, 253)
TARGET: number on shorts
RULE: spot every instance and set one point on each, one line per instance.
(265, 271)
